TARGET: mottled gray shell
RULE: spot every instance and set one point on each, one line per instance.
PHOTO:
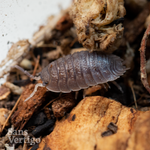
(81, 70)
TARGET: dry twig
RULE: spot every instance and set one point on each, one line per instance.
(134, 97)
(36, 66)
(14, 108)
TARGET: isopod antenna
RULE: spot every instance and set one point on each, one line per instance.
(32, 77)
(27, 73)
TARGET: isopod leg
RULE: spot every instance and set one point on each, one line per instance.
(117, 85)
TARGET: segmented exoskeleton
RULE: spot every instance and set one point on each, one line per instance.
(79, 71)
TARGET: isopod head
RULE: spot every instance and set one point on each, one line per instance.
(45, 76)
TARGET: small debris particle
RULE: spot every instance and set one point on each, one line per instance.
(107, 133)
(74, 117)
(113, 127)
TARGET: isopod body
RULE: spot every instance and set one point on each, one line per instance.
(81, 70)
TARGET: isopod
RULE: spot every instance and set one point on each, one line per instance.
(79, 71)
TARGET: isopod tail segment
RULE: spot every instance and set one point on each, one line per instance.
(32, 77)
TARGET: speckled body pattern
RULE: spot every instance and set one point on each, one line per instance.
(81, 70)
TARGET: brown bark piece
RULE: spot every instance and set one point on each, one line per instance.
(63, 105)
(82, 129)
(26, 109)
(135, 27)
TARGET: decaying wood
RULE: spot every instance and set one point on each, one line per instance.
(98, 23)
(63, 105)
(26, 109)
(82, 128)
(143, 59)
(135, 27)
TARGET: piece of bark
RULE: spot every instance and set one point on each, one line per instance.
(99, 23)
(63, 105)
(4, 93)
(26, 109)
(135, 27)
(82, 129)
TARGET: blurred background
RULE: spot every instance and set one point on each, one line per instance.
(20, 19)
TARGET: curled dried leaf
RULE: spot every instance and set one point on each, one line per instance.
(98, 23)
